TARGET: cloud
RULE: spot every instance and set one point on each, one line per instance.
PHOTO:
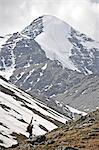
(82, 15)
(95, 1)
(13, 14)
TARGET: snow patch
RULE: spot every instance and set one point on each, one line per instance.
(44, 67)
(41, 74)
(20, 76)
(28, 76)
(3, 40)
(38, 80)
(54, 41)
(27, 65)
(73, 110)
(7, 73)
(28, 89)
(89, 71)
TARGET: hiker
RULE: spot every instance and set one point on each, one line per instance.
(29, 128)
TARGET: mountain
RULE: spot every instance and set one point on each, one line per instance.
(61, 42)
(48, 58)
(16, 110)
(84, 96)
(81, 134)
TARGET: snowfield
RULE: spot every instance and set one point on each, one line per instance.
(16, 111)
(54, 41)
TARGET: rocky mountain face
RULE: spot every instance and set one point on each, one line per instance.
(84, 95)
(48, 58)
(16, 110)
(81, 134)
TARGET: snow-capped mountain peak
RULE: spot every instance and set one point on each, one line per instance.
(61, 42)
(48, 58)
(54, 41)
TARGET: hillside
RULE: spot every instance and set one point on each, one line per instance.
(83, 134)
(18, 107)
(84, 95)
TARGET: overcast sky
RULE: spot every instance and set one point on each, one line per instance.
(83, 15)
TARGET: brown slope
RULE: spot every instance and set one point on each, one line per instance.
(82, 134)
